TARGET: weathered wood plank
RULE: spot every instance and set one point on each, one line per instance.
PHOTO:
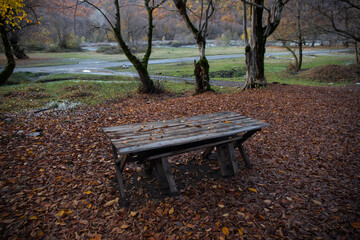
(184, 129)
(178, 141)
(213, 116)
(165, 152)
(120, 143)
(181, 130)
(133, 130)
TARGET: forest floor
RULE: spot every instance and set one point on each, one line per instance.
(57, 178)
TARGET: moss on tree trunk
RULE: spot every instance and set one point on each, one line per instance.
(201, 73)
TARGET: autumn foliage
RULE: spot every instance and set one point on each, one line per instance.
(11, 12)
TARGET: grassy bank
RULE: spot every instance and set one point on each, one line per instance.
(234, 69)
(78, 89)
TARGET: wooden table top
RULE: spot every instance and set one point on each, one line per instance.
(156, 135)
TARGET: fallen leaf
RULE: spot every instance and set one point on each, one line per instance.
(85, 222)
(124, 226)
(110, 203)
(133, 214)
(241, 231)
(355, 224)
(267, 201)
(97, 237)
(61, 213)
(33, 218)
(87, 192)
(253, 190)
(317, 202)
(171, 211)
(225, 231)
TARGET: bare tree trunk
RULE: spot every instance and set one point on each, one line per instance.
(10, 66)
(147, 85)
(357, 53)
(299, 65)
(300, 38)
(201, 68)
(254, 54)
(17, 50)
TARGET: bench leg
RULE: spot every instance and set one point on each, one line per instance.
(164, 173)
(244, 156)
(232, 159)
(207, 152)
(121, 185)
(119, 167)
(226, 156)
(222, 160)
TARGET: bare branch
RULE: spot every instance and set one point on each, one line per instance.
(257, 5)
(100, 11)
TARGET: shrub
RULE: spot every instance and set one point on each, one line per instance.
(109, 50)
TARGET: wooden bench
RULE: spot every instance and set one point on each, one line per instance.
(152, 143)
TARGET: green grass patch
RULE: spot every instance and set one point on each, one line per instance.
(78, 90)
(23, 77)
(275, 68)
(33, 96)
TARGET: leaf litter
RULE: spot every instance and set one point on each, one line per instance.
(305, 182)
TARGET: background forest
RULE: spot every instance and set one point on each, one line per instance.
(64, 25)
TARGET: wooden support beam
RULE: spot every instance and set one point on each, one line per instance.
(220, 150)
(119, 167)
(232, 159)
(164, 174)
(121, 185)
(207, 152)
(243, 155)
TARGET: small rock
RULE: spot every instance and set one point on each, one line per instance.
(267, 201)
(20, 132)
(8, 120)
(35, 134)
